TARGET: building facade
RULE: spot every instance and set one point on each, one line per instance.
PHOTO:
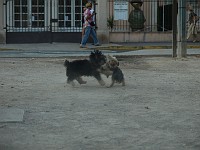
(37, 21)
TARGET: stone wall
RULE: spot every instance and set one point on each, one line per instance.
(140, 37)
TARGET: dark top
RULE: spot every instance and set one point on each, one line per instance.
(191, 17)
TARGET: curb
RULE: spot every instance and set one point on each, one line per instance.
(132, 48)
(7, 49)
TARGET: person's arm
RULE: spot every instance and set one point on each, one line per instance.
(89, 15)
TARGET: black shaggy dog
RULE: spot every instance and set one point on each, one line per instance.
(78, 68)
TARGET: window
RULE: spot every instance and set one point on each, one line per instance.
(78, 13)
(20, 13)
(70, 13)
(168, 2)
(44, 15)
(64, 13)
(37, 13)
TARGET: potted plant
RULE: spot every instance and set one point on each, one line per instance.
(110, 22)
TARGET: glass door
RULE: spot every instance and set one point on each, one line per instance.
(44, 15)
(70, 15)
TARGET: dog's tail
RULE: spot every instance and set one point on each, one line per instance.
(66, 63)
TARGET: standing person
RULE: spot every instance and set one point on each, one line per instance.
(88, 27)
(192, 30)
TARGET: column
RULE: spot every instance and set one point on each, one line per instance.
(29, 14)
(2, 22)
(102, 15)
(154, 7)
(182, 43)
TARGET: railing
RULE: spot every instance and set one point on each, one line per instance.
(158, 15)
(43, 16)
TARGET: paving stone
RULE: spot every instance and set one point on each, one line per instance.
(11, 115)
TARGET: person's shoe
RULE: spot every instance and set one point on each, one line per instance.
(194, 41)
(97, 44)
(83, 46)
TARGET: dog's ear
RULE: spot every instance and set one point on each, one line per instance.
(115, 59)
(97, 52)
(92, 53)
(66, 63)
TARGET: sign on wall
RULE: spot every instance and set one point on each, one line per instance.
(120, 10)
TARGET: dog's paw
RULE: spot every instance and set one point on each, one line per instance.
(71, 83)
(83, 82)
(102, 83)
(123, 83)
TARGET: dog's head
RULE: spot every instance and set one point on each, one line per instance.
(97, 58)
(112, 62)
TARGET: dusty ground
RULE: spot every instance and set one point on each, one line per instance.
(159, 108)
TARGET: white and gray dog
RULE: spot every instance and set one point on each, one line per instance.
(111, 67)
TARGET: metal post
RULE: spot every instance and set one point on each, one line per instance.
(182, 43)
(174, 26)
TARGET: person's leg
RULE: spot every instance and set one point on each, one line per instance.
(86, 36)
(82, 34)
(94, 37)
(195, 34)
(189, 32)
(194, 37)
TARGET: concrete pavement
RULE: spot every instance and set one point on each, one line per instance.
(157, 109)
(73, 49)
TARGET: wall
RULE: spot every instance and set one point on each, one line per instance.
(140, 37)
(2, 31)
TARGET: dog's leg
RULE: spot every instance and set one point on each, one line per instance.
(99, 79)
(123, 82)
(101, 82)
(81, 81)
(70, 81)
(112, 83)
